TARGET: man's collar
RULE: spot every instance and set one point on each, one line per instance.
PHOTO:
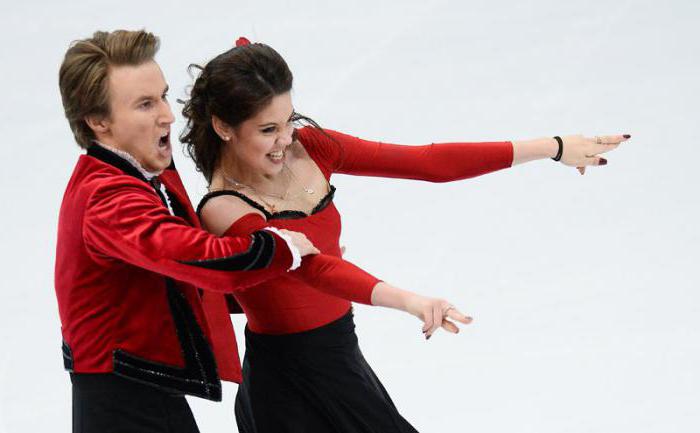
(121, 160)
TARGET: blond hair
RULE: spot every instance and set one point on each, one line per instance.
(83, 76)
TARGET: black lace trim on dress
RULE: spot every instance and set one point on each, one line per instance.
(284, 214)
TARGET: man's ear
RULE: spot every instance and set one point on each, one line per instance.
(98, 123)
(222, 129)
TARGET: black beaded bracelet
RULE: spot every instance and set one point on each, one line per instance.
(561, 148)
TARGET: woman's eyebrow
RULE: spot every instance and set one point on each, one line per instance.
(273, 123)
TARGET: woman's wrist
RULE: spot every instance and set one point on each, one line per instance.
(386, 295)
(530, 150)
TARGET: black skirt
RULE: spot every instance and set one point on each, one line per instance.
(313, 381)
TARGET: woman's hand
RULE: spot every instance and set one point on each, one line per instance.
(434, 313)
(580, 151)
(302, 243)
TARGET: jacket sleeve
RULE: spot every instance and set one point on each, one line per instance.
(125, 220)
(326, 273)
(435, 162)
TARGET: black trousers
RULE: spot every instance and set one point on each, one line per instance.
(107, 403)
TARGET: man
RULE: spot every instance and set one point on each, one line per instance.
(130, 253)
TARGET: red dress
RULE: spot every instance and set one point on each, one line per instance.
(288, 303)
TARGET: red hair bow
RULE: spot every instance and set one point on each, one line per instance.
(242, 41)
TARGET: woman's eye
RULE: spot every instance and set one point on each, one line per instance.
(269, 129)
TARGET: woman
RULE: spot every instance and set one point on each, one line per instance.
(303, 370)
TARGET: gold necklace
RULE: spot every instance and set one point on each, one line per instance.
(240, 185)
(261, 195)
(306, 189)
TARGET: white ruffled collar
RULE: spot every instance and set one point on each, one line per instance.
(127, 156)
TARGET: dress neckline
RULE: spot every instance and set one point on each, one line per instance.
(283, 214)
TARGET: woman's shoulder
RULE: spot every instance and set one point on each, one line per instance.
(219, 210)
(318, 145)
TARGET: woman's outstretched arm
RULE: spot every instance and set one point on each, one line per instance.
(444, 162)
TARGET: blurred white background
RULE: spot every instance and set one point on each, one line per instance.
(584, 289)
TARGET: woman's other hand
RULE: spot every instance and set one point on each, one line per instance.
(435, 313)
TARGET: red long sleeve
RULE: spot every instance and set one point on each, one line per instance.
(125, 220)
(326, 273)
(437, 162)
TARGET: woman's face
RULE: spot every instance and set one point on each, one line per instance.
(259, 144)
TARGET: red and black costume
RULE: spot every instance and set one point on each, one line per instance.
(303, 325)
(127, 271)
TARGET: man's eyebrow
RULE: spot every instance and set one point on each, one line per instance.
(273, 123)
(142, 98)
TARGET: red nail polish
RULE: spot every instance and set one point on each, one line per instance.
(603, 161)
(427, 337)
(627, 136)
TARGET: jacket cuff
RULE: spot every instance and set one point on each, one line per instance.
(296, 256)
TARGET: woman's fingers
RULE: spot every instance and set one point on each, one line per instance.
(440, 314)
(606, 143)
(437, 320)
(610, 139)
(614, 139)
(595, 160)
(457, 315)
(427, 320)
(602, 148)
(449, 326)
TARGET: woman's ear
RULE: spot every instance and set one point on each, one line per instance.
(222, 129)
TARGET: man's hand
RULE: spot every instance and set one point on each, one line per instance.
(302, 243)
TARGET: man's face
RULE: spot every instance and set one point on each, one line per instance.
(140, 117)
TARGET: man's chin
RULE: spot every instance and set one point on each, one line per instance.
(157, 166)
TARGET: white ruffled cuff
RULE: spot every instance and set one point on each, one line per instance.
(296, 257)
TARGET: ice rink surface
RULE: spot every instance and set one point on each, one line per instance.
(585, 289)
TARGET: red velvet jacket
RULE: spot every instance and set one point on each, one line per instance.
(126, 271)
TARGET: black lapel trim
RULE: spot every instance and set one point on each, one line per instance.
(177, 207)
(258, 256)
(67, 356)
(199, 377)
(111, 158)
